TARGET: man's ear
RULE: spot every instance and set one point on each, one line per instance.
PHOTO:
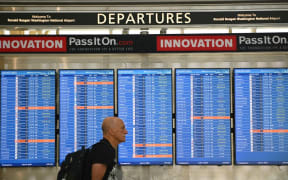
(111, 131)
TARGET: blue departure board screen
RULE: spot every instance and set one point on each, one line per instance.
(86, 98)
(27, 118)
(261, 116)
(145, 106)
(203, 116)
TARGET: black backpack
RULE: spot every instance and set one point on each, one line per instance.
(72, 168)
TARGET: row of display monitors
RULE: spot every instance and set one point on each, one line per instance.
(203, 120)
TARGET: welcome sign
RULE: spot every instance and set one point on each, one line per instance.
(149, 18)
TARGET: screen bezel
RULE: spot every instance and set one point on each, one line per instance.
(132, 69)
(234, 121)
(55, 123)
(59, 80)
(199, 162)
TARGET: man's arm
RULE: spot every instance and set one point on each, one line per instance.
(98, 171)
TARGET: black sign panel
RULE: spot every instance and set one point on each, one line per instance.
(111, 44)
(143, 18)
(263, 42)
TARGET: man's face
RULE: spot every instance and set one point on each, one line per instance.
(120, 131)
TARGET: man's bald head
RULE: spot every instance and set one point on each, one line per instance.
(110, 123)
(114, 130)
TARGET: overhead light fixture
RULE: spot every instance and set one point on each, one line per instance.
(84, 31)
(117, 31)
(206, 30)
(6, 32)
(271, 29)
(154, 30)
(173, 31)
(242, 30)
(134, 31)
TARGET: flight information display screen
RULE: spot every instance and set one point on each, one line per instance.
(145, 106)
(86, 98)
(261, 116)
(27, 118)
(203, 116)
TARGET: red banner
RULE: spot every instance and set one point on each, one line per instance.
(33, 44)
(196, 43)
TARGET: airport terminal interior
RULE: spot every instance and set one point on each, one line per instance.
(194, 107)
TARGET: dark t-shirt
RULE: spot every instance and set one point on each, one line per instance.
(101, 153)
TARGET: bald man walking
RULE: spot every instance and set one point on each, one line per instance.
(100, 160)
